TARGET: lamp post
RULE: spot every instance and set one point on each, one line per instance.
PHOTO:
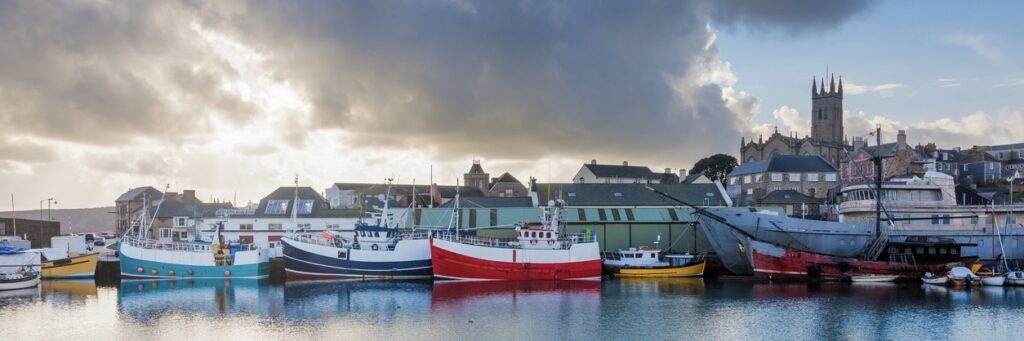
(48, 202)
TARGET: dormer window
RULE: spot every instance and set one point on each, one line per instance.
(305, 206)
(276, 207)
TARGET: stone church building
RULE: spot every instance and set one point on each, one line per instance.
(826, 139)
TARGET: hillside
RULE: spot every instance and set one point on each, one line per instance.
(74, 219)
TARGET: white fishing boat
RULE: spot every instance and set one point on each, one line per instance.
(1015, 278)
(996, 281)
(872, 278)
(19, 269)
(932, 278)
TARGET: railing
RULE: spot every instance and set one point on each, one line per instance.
(185, 247)
(563, 243)
(338, 241)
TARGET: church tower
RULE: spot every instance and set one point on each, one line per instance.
(827, 112)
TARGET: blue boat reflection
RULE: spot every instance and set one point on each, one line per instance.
(381, 299)
(148, 299)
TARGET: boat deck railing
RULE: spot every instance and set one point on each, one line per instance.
(565, 242)
(338, 241)
(185, 247)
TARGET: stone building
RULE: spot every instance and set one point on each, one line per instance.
(899, 159)
(594, 173)
(826, 139)
(810, 175)
(476, 177)
(130, 202)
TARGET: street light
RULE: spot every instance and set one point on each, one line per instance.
(48, 202)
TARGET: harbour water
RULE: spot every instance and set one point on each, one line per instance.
(403, 310)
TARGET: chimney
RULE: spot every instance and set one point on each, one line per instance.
(858, 142)
(625, 163)
(668, 170)
(682, 174)
(901, 139)
(593, 161)
(188, 194)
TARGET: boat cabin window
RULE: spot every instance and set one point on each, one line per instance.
(376, 233)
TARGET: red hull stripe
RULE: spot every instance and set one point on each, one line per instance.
(798, 264)
(453, 265)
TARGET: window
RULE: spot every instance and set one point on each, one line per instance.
(617, 194)
(305, 206)
(750, 191)
(301, 226)
(276, 207)
(776, 177)
(1011, 218)
(812, 176)
(830, 177)
(180, 221)
(165, 233)
(732, 181)
(794, 176)
(757, 178)
(935, 219)
(508, 192)
(974, 220)
(274, 227)
(945, 219)
(746, 179)
(247, 227)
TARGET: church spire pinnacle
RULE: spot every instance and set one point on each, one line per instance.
(814, 86)
(832, 85)
(840, 85)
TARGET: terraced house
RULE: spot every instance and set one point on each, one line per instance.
(810, 175)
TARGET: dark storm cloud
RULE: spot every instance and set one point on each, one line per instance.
(791, 16)
(498, 79)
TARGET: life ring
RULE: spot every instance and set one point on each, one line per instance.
(227, 272)
(355, 246)
(551, 242)
(375, 247)
(533, 242)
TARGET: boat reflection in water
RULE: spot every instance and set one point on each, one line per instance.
(315, 300)
(17, 295)
(69, 290)
(150, 299)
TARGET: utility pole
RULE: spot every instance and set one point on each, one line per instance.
(14, 216)
(878, 181)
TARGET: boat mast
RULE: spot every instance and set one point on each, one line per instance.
(295, 204)
(14, 215)
(387, 198)
(878, 180)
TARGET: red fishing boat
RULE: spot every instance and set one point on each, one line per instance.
(535, 254)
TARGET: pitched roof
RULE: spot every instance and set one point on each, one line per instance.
(507, 178)
(785, 163)
(476, 168)
(629, 194)
(1000, 147)
(288, 194)
(691, 178)
(621, 171)
(491, 202)
(788, 196)
(135, 193)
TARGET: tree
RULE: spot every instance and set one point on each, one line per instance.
(715, 167)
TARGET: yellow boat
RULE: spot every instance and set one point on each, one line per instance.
(78, 266)
(693, 269)
(646, 262)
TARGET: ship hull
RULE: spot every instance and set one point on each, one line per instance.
(695, 269)
(454, 260)
(70, 268)
(143, 263)
(781, 263)
(308, 261)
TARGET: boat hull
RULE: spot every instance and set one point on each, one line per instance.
(935, 281)
(780, 263)
(695, 269)
(73, 267)
(21, 283)
(144, 263)
(308, 261)
(454, 260)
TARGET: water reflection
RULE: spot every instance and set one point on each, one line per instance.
(69, 290)
(146, 300)
(381, 299)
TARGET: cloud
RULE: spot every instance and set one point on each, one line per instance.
(982, 45)
(230, 95)
(884, 90)
(1010, 83)
(947, 82)
(791, 121)
(790, 16)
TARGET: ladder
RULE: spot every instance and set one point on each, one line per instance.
(877, 245)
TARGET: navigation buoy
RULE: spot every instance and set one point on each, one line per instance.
(141, 270)
(170, 272)
(227, 272)
(190, 272)
(153, 271)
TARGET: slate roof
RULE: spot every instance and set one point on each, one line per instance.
(136, 194)
(1006, 147)
(629, 194)
(507, 178)
(788, 196)
(691, 178)
(490, 202)
(620, 171)
(785, 163)
(476, 168)
(288, 193)
(1014, 162)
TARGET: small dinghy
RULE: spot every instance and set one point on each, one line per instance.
(931, 278)
(963, 277)
(996, 281)
(871, 278)
(1015, 278)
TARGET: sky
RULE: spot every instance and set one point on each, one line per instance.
(236, 98)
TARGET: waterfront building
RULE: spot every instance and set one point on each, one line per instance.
(826, 139)
(794, 203)
(810, 175)
(36, 232)
(131, 202)
(899, 160)
(594, 173)
(1004, 152)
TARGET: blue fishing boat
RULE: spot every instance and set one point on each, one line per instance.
(379, 250)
